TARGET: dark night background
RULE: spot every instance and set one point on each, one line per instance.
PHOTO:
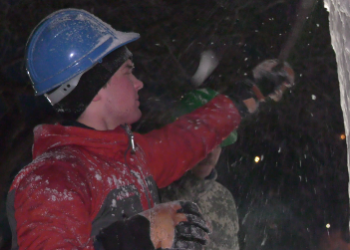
(300, 185)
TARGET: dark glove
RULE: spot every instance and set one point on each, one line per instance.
(173, 225)
(272, 77)
(240, 91)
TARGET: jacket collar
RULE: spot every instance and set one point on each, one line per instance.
(103, 143)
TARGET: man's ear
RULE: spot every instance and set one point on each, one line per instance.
(97, 97)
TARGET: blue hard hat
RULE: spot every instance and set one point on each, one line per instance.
(66, 44)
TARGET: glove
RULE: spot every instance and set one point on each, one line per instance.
(239, 92)
(272, 77)
(173, 225)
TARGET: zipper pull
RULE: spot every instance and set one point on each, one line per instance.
(131, 138)
(132, 143)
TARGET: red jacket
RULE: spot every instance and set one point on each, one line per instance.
(82, 180)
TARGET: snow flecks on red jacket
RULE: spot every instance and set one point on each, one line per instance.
(82, 180)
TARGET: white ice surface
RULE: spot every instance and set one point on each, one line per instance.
(339, 25)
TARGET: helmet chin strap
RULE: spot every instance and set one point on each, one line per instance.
(63, 90)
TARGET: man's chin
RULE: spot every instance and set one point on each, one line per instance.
(136, 117)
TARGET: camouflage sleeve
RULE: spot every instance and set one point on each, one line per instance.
(216, 203)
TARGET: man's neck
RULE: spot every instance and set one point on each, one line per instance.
(75, 124)
(96, 122)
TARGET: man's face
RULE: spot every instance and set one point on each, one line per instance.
(121, 99)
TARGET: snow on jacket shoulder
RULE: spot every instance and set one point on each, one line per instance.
(82, 180)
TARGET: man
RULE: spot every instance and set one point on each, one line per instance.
(214, 200)
(198, 185)
(92, 182)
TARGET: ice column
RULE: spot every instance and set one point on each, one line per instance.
(339, 26)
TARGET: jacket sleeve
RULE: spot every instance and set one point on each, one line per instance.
(50, 211)
(179, 146)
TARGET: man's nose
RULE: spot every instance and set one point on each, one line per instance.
(138, 84)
